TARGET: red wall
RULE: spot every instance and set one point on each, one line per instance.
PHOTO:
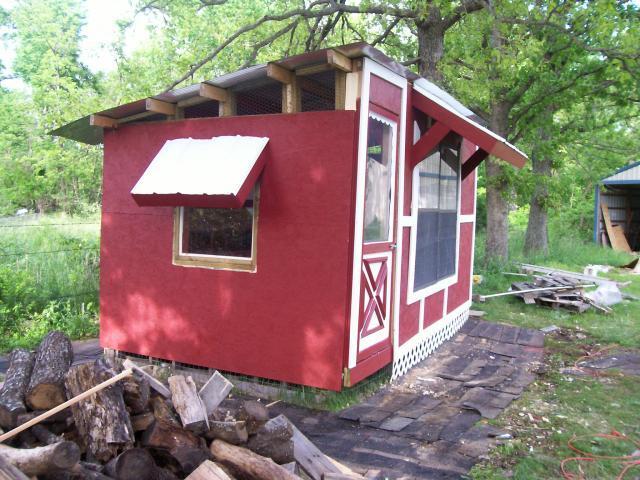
(284, 322)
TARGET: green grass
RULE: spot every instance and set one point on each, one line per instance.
(562, 405)
(49, 270)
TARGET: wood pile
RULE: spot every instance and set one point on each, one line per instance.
(556, 291)
(138, 428)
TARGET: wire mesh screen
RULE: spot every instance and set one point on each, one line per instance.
(259, 100)
(205, 109)
(318, 91)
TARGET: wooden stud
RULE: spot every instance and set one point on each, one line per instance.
(352, 90)
(102, 121)
(213, 93)
(339, 61)
(340, 89)
(280, 74)
(158, 106)
(228, 107)
(472, 162)
(311, 69)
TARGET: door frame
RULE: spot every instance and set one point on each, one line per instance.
(377, 361)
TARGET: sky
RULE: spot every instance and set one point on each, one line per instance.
(99, 32)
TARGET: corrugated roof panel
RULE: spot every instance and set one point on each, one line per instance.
(626, 174)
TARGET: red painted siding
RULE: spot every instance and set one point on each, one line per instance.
(385, 94)
(409, 314)
(286, 321)
(459, 292)
(433, 308)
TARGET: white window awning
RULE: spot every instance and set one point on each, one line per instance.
(216, 173)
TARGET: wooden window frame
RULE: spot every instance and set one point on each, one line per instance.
(216, 262)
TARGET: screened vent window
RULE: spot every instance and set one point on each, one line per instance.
(379, 180)
(219, 237)
(436, 182)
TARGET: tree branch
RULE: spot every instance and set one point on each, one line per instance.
(308, 12)
(467, 6)
(258, 46)
(386, 33)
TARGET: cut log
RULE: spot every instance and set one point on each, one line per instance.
(52, 361)
(254, 414)
(243, 463)
(208, 470)
(42, 460)
(9, 472)
(136, 393)
(142, 422)
(214, 392)
(234, 433)
(189, 457)
(169, 437)
(185, 399)
(273, 440)
(163, 412)
(154, 383)
(60, 417)
(103, 421)
(45, 435)
(15, 385)
(132, 464)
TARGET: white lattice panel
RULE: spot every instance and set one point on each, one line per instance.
(430, 339)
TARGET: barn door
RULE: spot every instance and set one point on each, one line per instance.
(378, 245)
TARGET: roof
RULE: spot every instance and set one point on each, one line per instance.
(629, 174)
(82, 131)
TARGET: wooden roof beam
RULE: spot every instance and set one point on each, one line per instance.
(339, 61)
(213, 93)
(280, 74)
(102, 121)
(158, 106)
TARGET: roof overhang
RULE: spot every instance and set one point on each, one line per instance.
(219, 172)
(448, 117)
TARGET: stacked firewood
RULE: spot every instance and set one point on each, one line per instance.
(141, 429)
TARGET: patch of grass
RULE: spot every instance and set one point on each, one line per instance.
(560, 406)
(49, 276)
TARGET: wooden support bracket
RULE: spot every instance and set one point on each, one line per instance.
(280, 74)
(472, 162)
(213, 93)
(102, 121)
(339, 61)
(158, 106)
(428, 142)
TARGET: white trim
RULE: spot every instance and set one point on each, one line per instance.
(420, 346)
(414, 296)
(383, 333)
(469, 218)
(369, 67)
(407, 220)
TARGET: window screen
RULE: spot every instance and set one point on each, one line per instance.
(226, 232)
(378, 181)
(436, 184)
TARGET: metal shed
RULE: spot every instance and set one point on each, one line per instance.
(616, 220)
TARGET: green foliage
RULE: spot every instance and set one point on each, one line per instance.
(48, 278)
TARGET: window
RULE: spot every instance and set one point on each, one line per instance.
(436, 182)
(217, 237)
(379, 180)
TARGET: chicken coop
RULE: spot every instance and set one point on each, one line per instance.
(309, 221)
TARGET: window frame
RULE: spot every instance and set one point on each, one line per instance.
(394, 153)
(443, 283)
(216, 262)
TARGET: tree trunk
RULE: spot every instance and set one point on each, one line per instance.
(53, 359)
(273, 440)
(431, 45)
(245, 464)
(15, 384)
(537, 236)
(102, 423)
(42, 460)
(497, 184)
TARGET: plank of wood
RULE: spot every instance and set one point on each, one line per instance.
(215, 391)
(312, 461)
(102, 121)
(158, 106)
(280, 74)
(154, 383)
(185, 399)
(482, 298)
(339, 61)
(208, 470)
(213, 93)
(526, 267)
(619, 241)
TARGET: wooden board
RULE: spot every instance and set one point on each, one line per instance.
(619, 240)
